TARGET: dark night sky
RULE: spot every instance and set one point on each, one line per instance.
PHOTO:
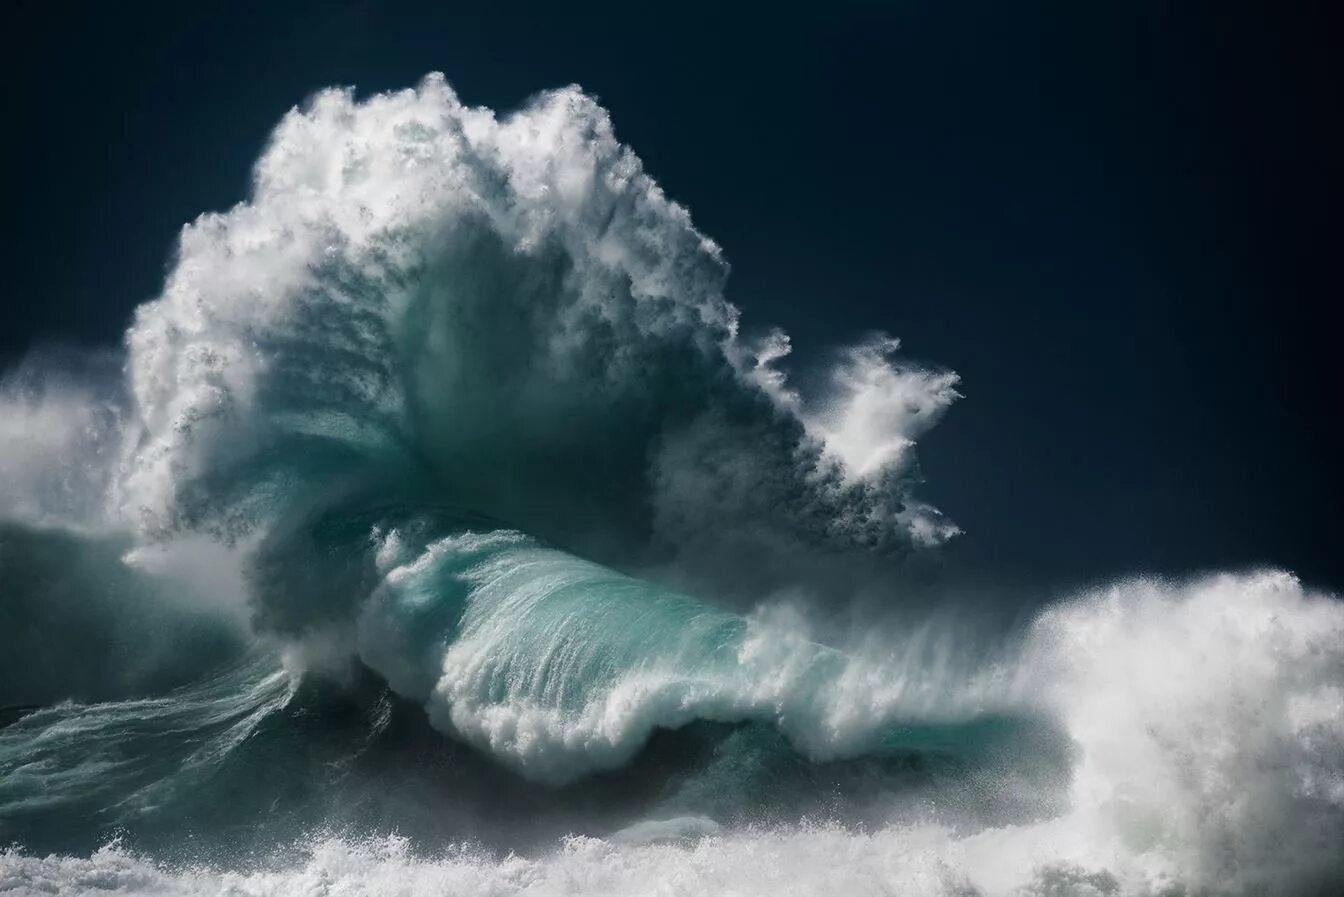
(1119, 226)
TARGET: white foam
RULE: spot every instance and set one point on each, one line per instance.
(1209, 722)
(1041, 861)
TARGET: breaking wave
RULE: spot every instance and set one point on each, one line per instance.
(443, 493)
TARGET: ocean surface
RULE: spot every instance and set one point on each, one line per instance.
(442, 528)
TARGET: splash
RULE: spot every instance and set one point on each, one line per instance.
(509, 315)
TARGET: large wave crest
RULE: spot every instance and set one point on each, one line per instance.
(510, 316)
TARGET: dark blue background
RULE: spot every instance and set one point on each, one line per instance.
(1117, 221)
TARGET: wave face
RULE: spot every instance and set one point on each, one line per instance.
(439, 529)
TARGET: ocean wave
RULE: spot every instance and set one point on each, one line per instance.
(397, 437)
